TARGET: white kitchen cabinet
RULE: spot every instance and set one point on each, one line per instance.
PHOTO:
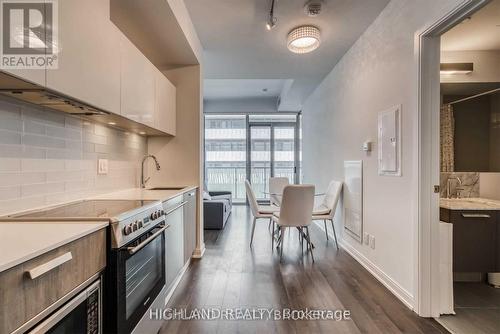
(137, 84)
(174, 239)
(89, 57)
(165, 104)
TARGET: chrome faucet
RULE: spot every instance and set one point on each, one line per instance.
(448, 185)
(143, 181)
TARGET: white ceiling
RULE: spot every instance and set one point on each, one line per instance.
(215, 89)
(238, 47)
(480, 32)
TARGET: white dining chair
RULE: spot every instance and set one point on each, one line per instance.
(258, 211)
(326, 210)
(276, 186)
(295, 211)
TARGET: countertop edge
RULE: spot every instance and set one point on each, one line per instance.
(97, 226)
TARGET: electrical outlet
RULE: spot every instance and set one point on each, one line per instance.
(102, 166)
(372, 242)
(366, 238)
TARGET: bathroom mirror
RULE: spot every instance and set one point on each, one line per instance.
(470, 126)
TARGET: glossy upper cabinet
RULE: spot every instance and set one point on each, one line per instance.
(137, 84)
(165, 104)
(89, 57)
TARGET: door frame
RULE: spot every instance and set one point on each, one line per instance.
(427, 55)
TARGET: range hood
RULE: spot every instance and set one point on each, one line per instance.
(28, 92)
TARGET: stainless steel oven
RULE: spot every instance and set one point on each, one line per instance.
(137, 273)
(80, 315)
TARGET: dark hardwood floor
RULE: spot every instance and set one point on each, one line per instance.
(231, 275)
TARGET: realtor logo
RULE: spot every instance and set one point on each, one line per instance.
(29, 34)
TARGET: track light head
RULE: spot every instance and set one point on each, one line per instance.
(271, 22)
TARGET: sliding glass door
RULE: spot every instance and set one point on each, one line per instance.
(272, 154)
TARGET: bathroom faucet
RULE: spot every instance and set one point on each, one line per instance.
(143, 181)
(448, 185)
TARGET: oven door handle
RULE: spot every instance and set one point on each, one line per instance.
(133, 250)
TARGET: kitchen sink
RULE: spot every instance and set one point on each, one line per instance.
(168, 188)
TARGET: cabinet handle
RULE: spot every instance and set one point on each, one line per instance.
(475, 215)
(177, 207)
(191, 194)
(48, 266)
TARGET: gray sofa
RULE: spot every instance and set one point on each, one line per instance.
(217, 209)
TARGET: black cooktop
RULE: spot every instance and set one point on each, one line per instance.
(88, 209)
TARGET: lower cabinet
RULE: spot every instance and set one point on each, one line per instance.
(180, 237)
(474, 240)
(189, 224)
(174, 239)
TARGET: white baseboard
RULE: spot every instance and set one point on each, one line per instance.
(396, 289)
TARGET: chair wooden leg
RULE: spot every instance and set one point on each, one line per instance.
(273, 235)
(334, 234)
(310, 244)
(326, 229)
(282, 243)
(253, 231)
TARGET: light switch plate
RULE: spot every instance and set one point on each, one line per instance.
(366, 238)
(102, 166)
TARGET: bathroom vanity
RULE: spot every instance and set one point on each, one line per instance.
(476, 233)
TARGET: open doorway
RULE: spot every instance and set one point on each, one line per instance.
(456, 155)
(470, 172)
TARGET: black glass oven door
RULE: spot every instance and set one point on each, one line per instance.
(141, 276)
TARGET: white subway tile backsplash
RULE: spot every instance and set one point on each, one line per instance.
(10, 165)
(10, 137)
(10, 192)
(48, 157)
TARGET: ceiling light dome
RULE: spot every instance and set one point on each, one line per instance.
(303, 39)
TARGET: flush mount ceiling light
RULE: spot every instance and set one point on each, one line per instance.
(456, 68)
(303, 39)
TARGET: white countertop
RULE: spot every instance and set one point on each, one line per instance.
(469, 204)
(145, 194)
(22, 241)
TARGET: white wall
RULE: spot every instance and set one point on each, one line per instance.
(378, 72)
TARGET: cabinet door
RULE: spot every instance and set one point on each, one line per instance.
(137, 84)
(174, 239)
(89, 57)
(165, 104)
(189, 224)
(474, 241)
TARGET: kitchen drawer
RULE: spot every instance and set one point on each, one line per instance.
(28, 289)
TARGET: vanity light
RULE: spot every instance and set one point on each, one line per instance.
(142, 133)
(303, 39)
(456, 68)
(111, 123)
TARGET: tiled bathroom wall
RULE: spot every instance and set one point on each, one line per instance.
(470, 184)
(49, 157)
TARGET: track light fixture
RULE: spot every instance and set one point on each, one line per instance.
(271, 21)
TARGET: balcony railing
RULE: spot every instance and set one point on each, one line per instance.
(233, 179)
